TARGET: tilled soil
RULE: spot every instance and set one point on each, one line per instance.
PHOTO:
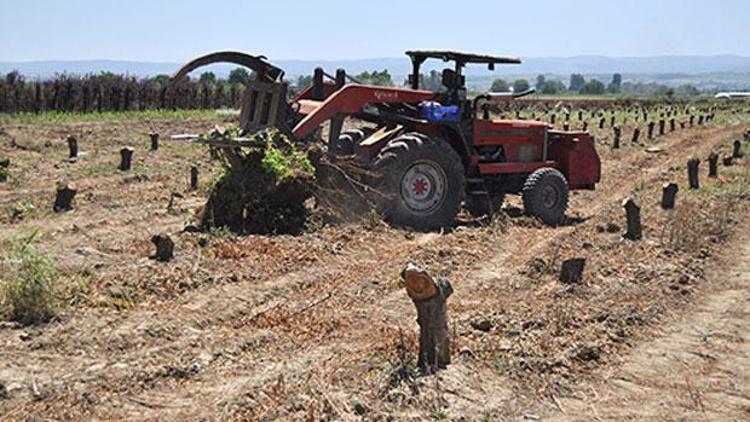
(317, 325)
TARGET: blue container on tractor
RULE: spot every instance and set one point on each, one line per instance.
(434, 112)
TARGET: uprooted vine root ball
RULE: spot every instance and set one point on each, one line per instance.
(261, 190)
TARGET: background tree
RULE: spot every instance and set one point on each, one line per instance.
(499, 85)
(382, 78)
(576, 82)
(207, 78)
(553, 87)
(593, 87)
(540, 81)
(521, 85)
(615, 86)
(304, 81)
(239, 76)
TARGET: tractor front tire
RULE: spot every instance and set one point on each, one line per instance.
(545, 195)
(420, 182)
(348, 140)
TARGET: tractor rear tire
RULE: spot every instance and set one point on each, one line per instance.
(545, 195)
(420, 182)
(348, 140)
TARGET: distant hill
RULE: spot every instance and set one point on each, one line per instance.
(709, 73)
(680, 65)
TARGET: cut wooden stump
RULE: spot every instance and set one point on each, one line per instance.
(728, 160)
(633, 218)
(713, 165)
(661, 127)
(737, 149)
(64, 198)
(193, 178)
(566, 126)
(692, 168)
(651, 130)
(4, 164)
(72, 147)
(601, 122)
(126, 158)
(616, 141)
(636, 135)
(571, 271)
(429, 296)
(154, 141)
(671, 124)
(164, 247)
(668, 195)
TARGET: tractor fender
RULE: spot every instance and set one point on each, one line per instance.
(265, 70)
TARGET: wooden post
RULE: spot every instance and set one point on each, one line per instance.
(668, 194)
(713, 165)
(700, 120)
(154, 141)
(72, 147)
(612, 121)
(429, 296)
(552, 118)
(692, 167)
(164, 247)
(585, 126)
(571, 271)
(64, 199)
(682, 125)
(580, 114)
(633, 217)
(616, 140)
(193, 178)
(661, 127)
(601, 123)
(636, 135)
(650, 130)
(737, 149)
(671, 124)
(126, 157)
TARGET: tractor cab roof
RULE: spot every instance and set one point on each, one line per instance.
(461, 59)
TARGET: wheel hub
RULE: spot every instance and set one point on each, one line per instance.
(549, 196)
(423, 187)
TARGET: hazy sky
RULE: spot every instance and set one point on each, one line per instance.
(174, 31)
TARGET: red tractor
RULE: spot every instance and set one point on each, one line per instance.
(432, 151)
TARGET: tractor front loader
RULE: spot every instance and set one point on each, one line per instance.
(431, 152)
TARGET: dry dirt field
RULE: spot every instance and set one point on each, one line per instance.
(318, 327)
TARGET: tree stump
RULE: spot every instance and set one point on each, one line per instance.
(636, 135)
(713, 165)
(700, 120)
(633, 218)
(193, 178)
(571, 271)
(727, 160)
(4, 164)
(601, 123)
(154, 141)
(661, 127)
(651, 130)
(580, 115)
(616, 141)
(72, 147)
(682, 125)
(164, 247)
(552, 118)
(692, 120)
(737, 149)
(585, 126)
(747, 136)
(429, 296)
(566, 126)
(671, 124)
(126, 157)
(692, 167)
(668, 195)
(64, 199)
